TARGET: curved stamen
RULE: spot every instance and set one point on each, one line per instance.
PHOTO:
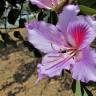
(70, 54)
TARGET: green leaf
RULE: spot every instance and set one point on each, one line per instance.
(74, 86)
(87, 6)
(85, 91)
(78, 89)
(87, 10)
(88, 3)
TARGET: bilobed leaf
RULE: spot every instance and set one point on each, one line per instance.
(88, 3)
(87, 6)
(87, 10)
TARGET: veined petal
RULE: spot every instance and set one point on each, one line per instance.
(91, 20)
(68, 14)
(53, 64)
(48, 4)
(44, 36)
(80, 34)
(85, 68)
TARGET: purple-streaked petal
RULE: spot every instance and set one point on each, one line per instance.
(80, 34)
(47, 30)
(48, 4)
(92, 21)
(84, 68)
(44, 36)
(53, 64)
(68, 14)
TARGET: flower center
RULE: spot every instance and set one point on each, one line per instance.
(72, 52)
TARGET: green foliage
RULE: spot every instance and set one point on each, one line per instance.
(87, 6)
(76, 87)
(88, 3)
(87, 10)
(79, 89)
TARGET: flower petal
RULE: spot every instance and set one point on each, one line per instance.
(44, 36)
(85, 68)
(91, 20)
(80, 34)
(44, 3)
(53, 64)
(68, 14)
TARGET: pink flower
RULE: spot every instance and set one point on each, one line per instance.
(48, 4)
(67, 45)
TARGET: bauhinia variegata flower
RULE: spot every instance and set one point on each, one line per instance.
(55, 5)
(67, 45)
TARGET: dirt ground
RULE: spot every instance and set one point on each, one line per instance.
(18, 75)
